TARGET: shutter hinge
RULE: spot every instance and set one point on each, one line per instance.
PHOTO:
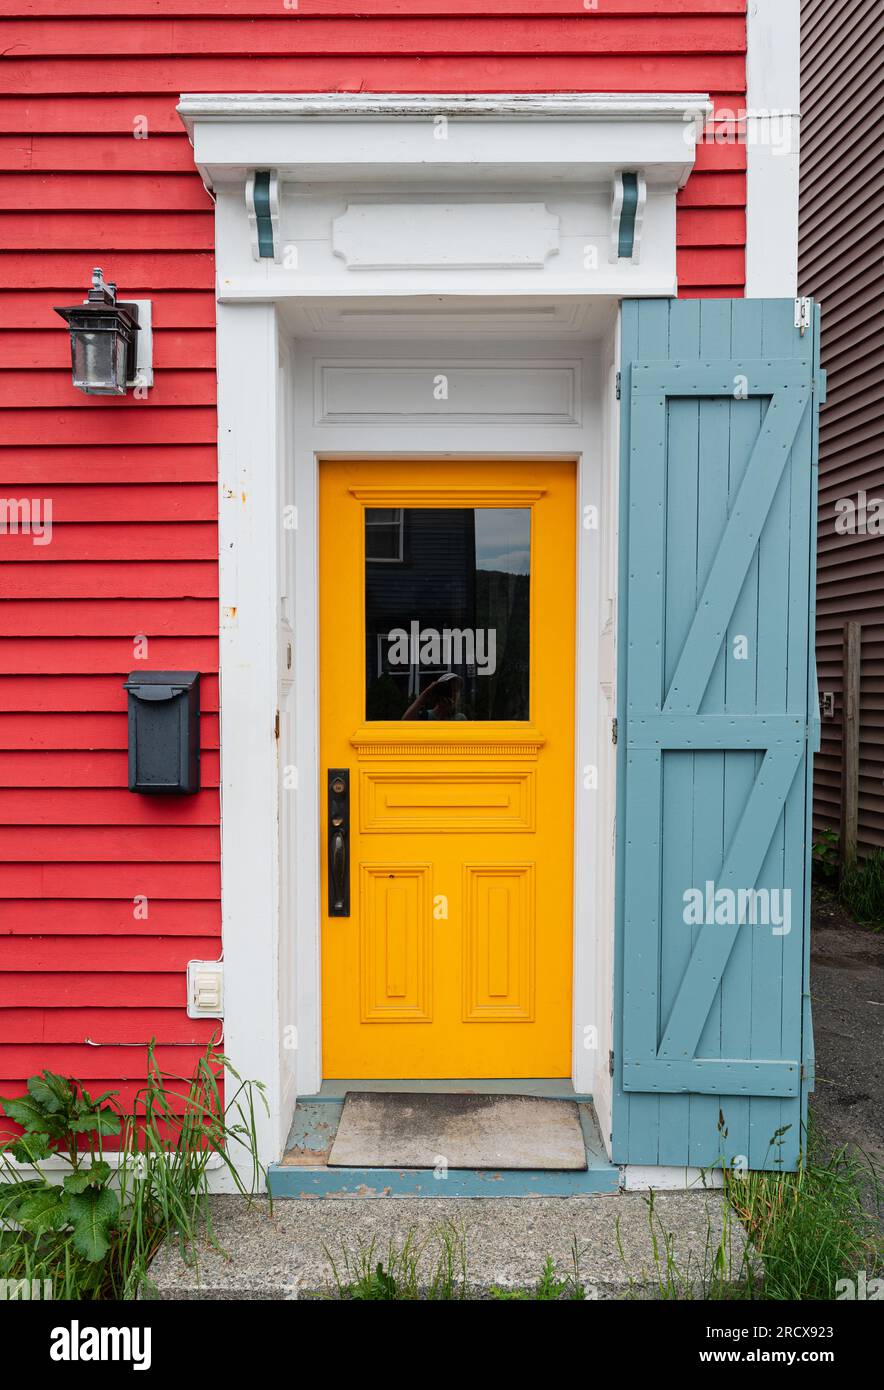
(619, 385)
(819, 386)
(803, 313)
(611, 1063)
(276, 725)
(614, 731)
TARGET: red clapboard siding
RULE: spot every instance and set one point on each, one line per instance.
(53, 153)
(148, 192)
(52, 390)
(82, 730)
(102, 953)
(82, 580)
(114, 231)
(95, 988)
(82, 769)
(85, 617)
(601, 33)
(37, 655)
(115, 1024)
(184, 502)
(713, 190)
(102, 880)
(170, 464)
(133, 484)
(26, 806)
(92, 916)
(115, 422)
(89, 502)
(106, 114)
(363, 8)
(49, 349)
(700, 72)
(97, 1063)
(120, 541)
(33, 308)
(97, 844)
(136, 270)
(712, 227)
(66, 692)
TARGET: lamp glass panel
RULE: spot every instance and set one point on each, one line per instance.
(99, 362)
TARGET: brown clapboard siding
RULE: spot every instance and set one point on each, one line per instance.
(841, 234)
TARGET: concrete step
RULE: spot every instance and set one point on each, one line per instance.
(290, 1252)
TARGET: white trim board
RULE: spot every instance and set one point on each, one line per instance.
(773, 75)
(269, 438)
(270, 837)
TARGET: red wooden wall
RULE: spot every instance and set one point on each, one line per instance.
(133, 483)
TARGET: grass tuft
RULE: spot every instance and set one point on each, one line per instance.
(862, 890)
(94, 1229)
(432, 1270)
(810, 1228)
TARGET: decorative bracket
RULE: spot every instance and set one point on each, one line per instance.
(262, 206)
(627, 214)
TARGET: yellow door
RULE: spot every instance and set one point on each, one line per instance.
(447, 601)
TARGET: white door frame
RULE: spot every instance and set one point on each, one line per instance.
(513, 158)
(578, 438)
(271, 851)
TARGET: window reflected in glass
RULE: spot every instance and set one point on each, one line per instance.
(447, 598)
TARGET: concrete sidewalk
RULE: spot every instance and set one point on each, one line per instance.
(507, 1242)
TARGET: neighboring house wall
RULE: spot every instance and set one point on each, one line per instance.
(96, 169)
(842, 231)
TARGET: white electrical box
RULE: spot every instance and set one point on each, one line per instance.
(205, 989)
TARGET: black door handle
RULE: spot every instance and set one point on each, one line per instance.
(338, 842)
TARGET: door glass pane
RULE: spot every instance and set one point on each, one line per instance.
(447, 613)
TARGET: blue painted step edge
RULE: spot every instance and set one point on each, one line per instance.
(291, 1181)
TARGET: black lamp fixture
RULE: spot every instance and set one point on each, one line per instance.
(103, 340)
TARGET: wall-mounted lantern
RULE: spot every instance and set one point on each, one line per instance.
(104, 340)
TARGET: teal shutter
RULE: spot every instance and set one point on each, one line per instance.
(716, 705)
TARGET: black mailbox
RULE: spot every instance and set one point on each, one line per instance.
(164, 731)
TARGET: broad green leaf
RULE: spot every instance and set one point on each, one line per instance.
(44, 1211)
(12, 1194)
(95, 1176)
(104, 1121)
(30, 1148)
(52, 1092)
(25, 1111)
(91, 1213)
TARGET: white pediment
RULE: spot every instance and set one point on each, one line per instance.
(333, 195)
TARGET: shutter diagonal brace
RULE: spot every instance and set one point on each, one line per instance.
(741, 867)
(779, 428)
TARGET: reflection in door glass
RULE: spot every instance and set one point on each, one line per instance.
(447, 613)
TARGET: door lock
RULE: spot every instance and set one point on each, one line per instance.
(339, 842)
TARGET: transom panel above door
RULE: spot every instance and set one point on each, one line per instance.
(447, 635)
